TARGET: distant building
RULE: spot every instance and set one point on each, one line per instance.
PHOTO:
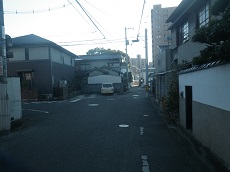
(136, 65)
(85, 63)
(161, 36)
(137, 62)
(104, 65)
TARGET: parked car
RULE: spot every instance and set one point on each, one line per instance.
(107, 88)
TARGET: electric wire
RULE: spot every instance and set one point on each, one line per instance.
(33, 11)
(141, 19)
(108, 41)
(90, 18)
(90, 42)
(105, 14)
(79, 13)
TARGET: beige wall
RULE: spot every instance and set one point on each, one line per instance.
(212, 129)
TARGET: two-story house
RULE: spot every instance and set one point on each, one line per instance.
(41, 64)
(186, 19)
(85, 63)
(204, 102)
(107, 68)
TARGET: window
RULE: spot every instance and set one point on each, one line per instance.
(204, 15)
(85, 67)
(183, 34)
(27, 54)
(26, 79)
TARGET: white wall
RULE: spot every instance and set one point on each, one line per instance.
(210, 108)
(68, 60)
(14, 93)
(60, 57)
(19, 54)
(56, 56)
(104, 79)
(210, 86)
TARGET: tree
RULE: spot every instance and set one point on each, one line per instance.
(216, 35)
(170, 102)
(97, 50)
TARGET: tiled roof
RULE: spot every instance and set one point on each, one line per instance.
(100, 57)
(34, 40)
(204, 66)
(30, 40)
(185, 9)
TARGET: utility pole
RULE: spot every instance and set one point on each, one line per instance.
(126, 57)
(4, 114)
(146, 64)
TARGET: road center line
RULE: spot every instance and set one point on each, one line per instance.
(145, 164)
(141, 131)
(76, 100)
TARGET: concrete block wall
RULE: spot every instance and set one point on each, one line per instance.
(212, 128)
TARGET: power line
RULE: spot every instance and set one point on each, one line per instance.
(90, 18)
(95, 19)
(90, 42)
(141, 19)
(79, 13)
(35, 11)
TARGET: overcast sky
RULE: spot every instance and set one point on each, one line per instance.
(65, 23)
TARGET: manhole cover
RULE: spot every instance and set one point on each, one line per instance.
(123, 125)
(110, 99)
(93, 104)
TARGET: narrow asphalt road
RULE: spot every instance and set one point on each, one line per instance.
(94, 133)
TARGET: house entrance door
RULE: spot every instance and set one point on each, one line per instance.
(188, 94)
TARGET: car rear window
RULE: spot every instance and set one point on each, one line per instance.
(107, 85)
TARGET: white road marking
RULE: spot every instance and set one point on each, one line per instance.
(123, 125)
(145, 115)
(76, 100)
(145, 164)
(141, 131)
(34, 110)
(93, 104)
